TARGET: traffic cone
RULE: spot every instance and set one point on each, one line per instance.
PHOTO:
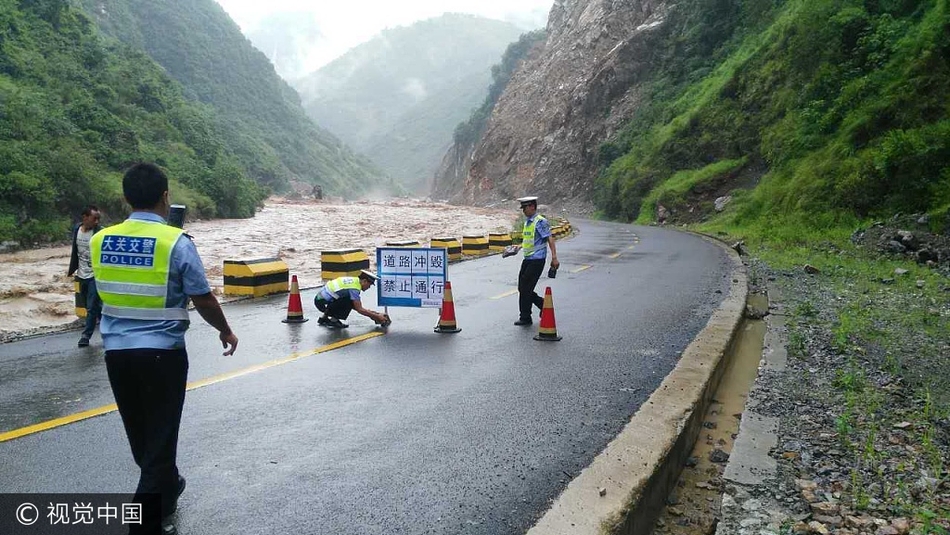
(447, 317)
(547, 330)
(294, 308)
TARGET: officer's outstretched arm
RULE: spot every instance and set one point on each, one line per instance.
(375, 316)
(207, 305)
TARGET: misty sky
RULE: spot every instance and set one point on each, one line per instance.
(347, 23)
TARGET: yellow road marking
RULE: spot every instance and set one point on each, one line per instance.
(506, 294)
(91, 413)
(582, 268)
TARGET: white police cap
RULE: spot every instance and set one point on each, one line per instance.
(527, 200)
(372, 276)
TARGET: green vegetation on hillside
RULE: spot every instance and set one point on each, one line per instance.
(259, 116)
(398, 96)
(817, 116)
(837, 110)
(76, 110)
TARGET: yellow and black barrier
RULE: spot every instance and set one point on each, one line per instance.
(406, 243)
(257, 278)
(452, 245)
(497, 241)
(562, 229)
(80, 300)
(342, 263)
(474, 245)
(260, 277)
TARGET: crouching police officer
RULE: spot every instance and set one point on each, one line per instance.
(342, 295)
(146, 271)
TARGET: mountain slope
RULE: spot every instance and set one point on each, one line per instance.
(398, 96)
(203, 49)
(75, 110)
(289, 39)
(817, 112)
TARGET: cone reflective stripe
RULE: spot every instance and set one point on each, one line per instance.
(447, 316)
(547, 330)
(294, 307)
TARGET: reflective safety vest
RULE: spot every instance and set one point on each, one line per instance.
(343, 283)
(131, 262)
(527, 235)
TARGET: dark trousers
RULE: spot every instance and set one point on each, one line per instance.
(87, 289)
(527, 280)
(339, 308)
(149, 388)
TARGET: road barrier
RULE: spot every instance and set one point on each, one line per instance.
(342, 263)
(260, 277)
(407, 243)
(474, 245)
(80, 300)
(452, 246)
(497, 241)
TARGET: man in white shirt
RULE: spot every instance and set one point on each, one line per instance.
(80, 263)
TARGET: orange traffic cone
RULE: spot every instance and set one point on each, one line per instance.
(294, 308)
(547, 330)
(447, 317)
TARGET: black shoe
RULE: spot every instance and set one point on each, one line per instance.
(83, 342)
(336, 323)
(174, 507)
(168, 528)
(322, 320)
(523, 321)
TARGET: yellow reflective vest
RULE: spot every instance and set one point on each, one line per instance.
(131, 262)
(343, 283)
(527, 236)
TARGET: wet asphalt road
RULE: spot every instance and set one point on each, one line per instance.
(410, 432)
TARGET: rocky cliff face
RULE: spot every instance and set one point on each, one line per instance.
(571, 94)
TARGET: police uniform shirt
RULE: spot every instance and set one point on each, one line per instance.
(325, 294)
(186, 277)
(542, 232)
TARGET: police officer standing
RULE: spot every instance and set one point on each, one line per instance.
(535, 240)
(146, 271)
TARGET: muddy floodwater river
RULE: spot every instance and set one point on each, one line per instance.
(37, 296)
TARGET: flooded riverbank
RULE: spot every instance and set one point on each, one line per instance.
(37, 296)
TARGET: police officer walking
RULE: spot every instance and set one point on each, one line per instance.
(146, 271)
(536, 233)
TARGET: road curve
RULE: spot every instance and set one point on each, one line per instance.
(406, 432)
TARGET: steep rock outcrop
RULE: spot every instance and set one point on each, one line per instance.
(569, 95)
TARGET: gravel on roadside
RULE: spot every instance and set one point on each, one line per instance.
(862, 445)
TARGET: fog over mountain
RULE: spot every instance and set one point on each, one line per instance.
(299, 41)
(398, 97)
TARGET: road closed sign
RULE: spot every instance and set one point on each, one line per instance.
(410, 276)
